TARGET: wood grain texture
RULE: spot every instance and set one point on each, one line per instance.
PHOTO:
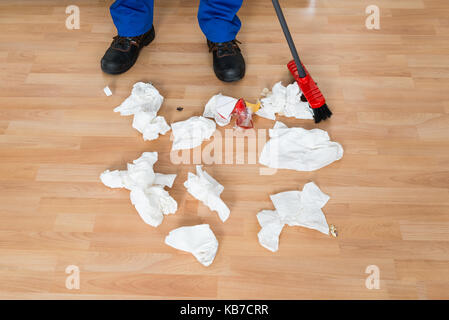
(388, 90)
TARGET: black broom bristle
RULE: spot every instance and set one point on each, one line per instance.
(321, 113)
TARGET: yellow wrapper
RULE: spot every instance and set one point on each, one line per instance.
(253, 106)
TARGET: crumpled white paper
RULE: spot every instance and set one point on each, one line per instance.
(272, 226)
(144, 103)
(206, 189)
(294, 208)
(220, 107)
(199, 240)
(302, 208)
(192, 132)
(299, 149)
(147, 195)
(286, 101)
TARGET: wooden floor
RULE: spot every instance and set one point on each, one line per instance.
(388, 89)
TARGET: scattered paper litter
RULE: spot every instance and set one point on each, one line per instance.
(144, 103)
(302, 208)
(220, 107)
(206, 189)
(199, 240)
(148, 196)
(299, 149)
(294, 208)
(192, 132)
(107, 91)
(285, 101)
(272, 226)
(144, 98)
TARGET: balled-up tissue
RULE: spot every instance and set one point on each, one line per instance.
(199, 240)
(286, 101)
(272, 226)
(207, 190)
(220, 108)
(294, 208)
(192, 132)
(299, 149)
(144, 103)
(147, 195)
(302, 208)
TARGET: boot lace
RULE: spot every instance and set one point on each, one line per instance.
(125, 43)
(225, 48)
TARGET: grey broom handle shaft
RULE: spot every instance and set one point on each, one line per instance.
(288, 36)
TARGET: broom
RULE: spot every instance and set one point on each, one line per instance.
(309, 89)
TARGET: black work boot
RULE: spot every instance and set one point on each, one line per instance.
(123, 52)
(229, 64)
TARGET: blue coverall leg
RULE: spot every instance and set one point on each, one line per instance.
(217, 18)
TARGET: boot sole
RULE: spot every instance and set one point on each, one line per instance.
(234, 79)
(238, 78)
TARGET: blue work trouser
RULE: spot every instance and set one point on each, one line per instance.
(217, 18)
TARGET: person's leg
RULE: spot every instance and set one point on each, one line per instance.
(132, 17)
(134, 22)
(219, 22)
(218, 19)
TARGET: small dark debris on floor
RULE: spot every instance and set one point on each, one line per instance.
(179, 108)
